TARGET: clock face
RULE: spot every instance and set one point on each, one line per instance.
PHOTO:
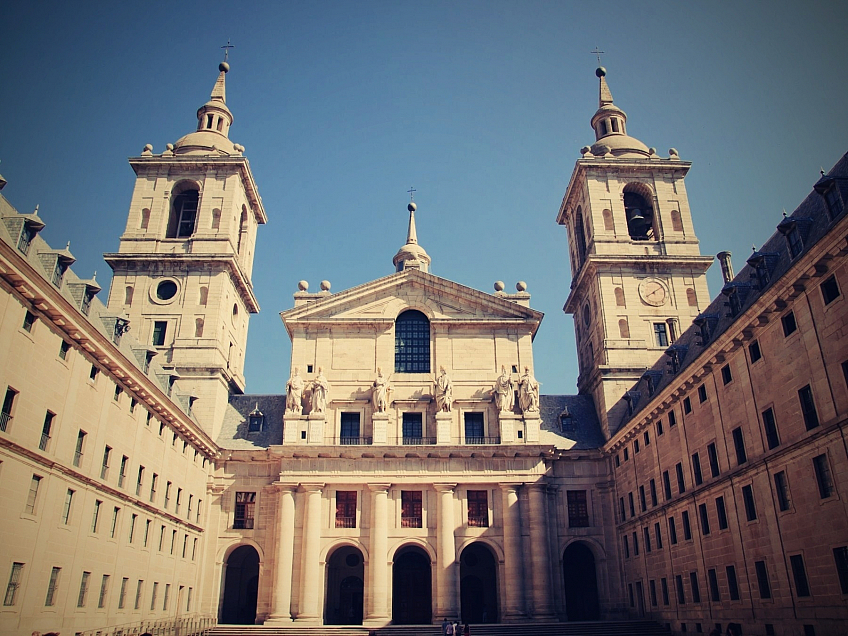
(652, 292)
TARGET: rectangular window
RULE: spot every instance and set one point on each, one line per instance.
(188, 510)
(621, 508)
(748, 498)
(646, 438)
(754, 351)
(32, 495)
(188, 600)
(185, 545)
(643, 506)
(653, 486)
(770, 427)
(14, 584)
(659, 428)
(781, 487)
(478, 508)
(721, 512)
(632, 507)
(92, 375)
(193, 548)
(823, 476)
(104, 589)
(578, 509)
(29, 321)
(789, 324)
(64, 347)
(830, 290)
(474, 433)
(739, 445)
(763, 579)
(114, 526)
(104, 468)
(133, 519)
(672, 419)
(153, 483)
(139, 481)
(687, 528)
(647, 538)
(666, 485)
(712, 579)
(702, 394)
(122, 474)
(618, 457)
(118, 392)
(165, 598)
(681, 594)
(123, 593)
(840, 558)
(27, 234)
(245, 502)
(153, 595)
(412, 428)
(179, 501)
(410, 509)
(626, 547)
(52, 585)
(681, 484)
(635, 545)
(133, 403)
(45, 431)
(636, 447)
(696, 589)
(652, 590)
(696, 469)
(96, 516)
(6, 413)
(705, 520)
(726, 374)
(345, 508)
(713, 456)
(799, 574)
(808, 408)
(160, 327)
(138, 591)
(660, 334)
(146, 533)
(664, 588)
(672, 531)
(732, 583)
(626, 454)
(687, 405)
(66, 509)
(349, 433)
(83, 589)
(658, 535)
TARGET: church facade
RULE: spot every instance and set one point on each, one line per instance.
(412, 472)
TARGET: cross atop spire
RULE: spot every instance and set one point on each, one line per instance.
(411, 193)
(598, 52)
(229, 46)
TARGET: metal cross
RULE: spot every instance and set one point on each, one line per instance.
(598, 53)
(412, 192)
(227, 48)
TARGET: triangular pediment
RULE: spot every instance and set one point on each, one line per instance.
(383, 299)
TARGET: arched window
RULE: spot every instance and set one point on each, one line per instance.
(216, 219)
(638, 212)
(242, 228)
(183, 214)
(623, 328)
(198, 327)
(619, 297)
(691, 298)
(145, 219)
(204, 295)
(608, 225)
(412, 342)
(128, 295)
(580, 233)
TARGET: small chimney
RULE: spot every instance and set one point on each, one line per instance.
(726, 265)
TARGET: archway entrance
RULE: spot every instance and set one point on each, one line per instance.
(411, 587)
(581, 583)
(345, 573)
(241, 585)
(478, 583)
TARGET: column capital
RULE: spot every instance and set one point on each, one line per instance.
(281, 486)
(537, 485)
(312, 487)
(379, 487)
(506, 487)
(444, 487)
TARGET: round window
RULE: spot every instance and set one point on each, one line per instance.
(166, 290)
(586, 315)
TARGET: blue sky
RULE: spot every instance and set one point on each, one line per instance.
(481, 106)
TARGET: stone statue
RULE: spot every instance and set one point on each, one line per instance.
(504, 392)
(380, 393)
(294, 393)
(444, 391)
(528, 392)
(320, 390)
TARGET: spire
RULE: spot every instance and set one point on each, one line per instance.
(610, 125)
(219, 91)
(604, 93)
(411, 255)
(213, 123)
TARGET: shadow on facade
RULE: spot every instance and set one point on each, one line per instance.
(241, 584)
(411, 592)
(581, 583)
(345, 574)
(478, 584)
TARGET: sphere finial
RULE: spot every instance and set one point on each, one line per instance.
(412, 207)
(224, 67)
(600, 71)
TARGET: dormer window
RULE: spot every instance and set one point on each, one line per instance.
(736, 294)
(652, 381)
(59, 272)
(184, 214)
(87, 297)
(827, 188)
(632, 399)
(706, 323)
(28, 233)
(763, 263)
(676, 353)
(794, 229)
(255, 420)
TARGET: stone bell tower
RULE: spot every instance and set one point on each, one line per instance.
(638, 277)
(182, 271)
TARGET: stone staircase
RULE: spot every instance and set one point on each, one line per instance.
(594, 628)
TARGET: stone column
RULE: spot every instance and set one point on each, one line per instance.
(513, 573)
(540, 566)
(446, 555)
(310, 572)
(281, 610)
(378, 566)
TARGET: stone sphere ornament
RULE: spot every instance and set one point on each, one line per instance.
(325, 285)
(303, 285)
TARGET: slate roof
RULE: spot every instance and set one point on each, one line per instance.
(582, 430)
(234, 434)
(812, 221)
